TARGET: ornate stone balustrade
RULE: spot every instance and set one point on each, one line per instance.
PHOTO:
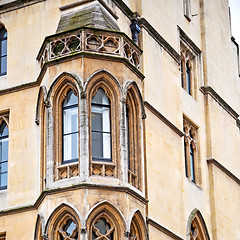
(89, 40)
(103, 169)
(132, 178)
(67, 171)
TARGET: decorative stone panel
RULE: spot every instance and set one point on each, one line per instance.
(88, 40)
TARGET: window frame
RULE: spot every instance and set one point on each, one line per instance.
(76, 132)
(110, 128)
(63, 169)
(192, 171)
(4, 120)
(3, 31)
(133, 135)
(105, 168)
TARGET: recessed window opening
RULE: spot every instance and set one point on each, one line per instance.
(188, 76)
(3, 155)
(192, 163)
(70, 128)
(3, 51)
(101, 127)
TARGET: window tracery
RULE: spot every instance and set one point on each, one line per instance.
(198, 230)
(63, 224)
(103, 228)
(190, 151)
(67, 229)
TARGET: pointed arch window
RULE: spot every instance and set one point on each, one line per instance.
(70, 128)
(66, 132)
(190, 151)
(3, 155)
(101, 127)
(133, 123)
(3, 51)
(64, 224)
(198, 230)
(188, 79)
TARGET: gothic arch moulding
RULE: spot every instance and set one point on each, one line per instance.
(65, 78)
(105, 76)
(137, 227)
(196, 227)
(105, 221)
(39, 228)
(64, 223)
(131, 85)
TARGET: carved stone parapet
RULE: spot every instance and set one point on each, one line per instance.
(89, 40)
(107, 169)
(132, 178)
(67, 171)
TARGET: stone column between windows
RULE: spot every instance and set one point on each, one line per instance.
(84, 140)
(123, 143)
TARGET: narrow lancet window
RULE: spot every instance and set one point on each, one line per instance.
(3, 51)
(101, 127)
(3, 155)
(70, 128)
(188, 79)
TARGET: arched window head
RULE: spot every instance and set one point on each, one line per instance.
(63, 224)
(3, 51)
(198, 230)
(3, 155)
(70, 128)
(101, 127)
(103, 227)
(137, 228)
(133, 133)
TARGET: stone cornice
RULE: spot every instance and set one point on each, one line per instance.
(189, 42)
(48, 192)
(14, 5)
(207, 90)
(223, 169)
(68, 58)
(164, 119)
(159, 39)
(163, 229)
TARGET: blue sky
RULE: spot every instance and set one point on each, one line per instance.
(235, 19)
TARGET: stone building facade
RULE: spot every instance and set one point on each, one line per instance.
(119, 119)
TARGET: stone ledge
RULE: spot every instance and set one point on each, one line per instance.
(164, 119)
(163, 229)
(223, 169)
(47, 192)
(17, 4)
